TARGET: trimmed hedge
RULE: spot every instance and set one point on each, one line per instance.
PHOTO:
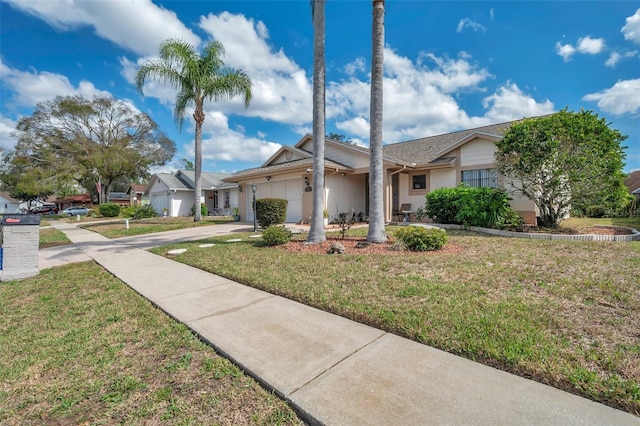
(276, 235)
(110, 209)
(271, 211)
(419, 238)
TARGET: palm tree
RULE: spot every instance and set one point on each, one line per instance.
(316, 231)
(376, 233)
(196, 78)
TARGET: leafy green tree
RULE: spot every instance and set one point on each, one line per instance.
(562, 159)
(23, 182)
(316, 230)
(197, 78)
(186, 165)
(339, 137)
(72, 140)
(376, 232)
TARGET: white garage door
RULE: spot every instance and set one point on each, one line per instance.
(290, 190)
(159, 202)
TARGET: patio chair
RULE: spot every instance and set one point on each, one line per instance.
(400, 212)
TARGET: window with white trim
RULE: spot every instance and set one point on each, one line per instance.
(480, 178)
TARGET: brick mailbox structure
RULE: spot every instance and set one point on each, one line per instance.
(20, 242)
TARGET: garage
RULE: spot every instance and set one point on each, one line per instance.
(288, 189)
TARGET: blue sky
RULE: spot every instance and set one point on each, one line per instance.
(448, 65)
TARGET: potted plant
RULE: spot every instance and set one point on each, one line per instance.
(325, 215)
(165, 211)
(236, 214)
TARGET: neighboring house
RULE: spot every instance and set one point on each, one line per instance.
(9, 204)
(120, 198)
(82, 200)
(411, 170)
(137, 194)
(175, 192)
(632, 182)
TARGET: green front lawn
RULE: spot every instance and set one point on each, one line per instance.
(78, 346)
(117, 229)
(563, 313)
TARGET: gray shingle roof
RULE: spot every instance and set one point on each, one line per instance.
(425, 150)
(295, 164)
(184, 180)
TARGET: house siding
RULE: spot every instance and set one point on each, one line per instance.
(345, 194)
(477, 152)
(443, 178)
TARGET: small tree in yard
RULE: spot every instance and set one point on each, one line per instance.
(561, 159)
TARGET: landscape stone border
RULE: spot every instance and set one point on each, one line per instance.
(634, 236)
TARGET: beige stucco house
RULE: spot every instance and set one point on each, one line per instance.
(411, 170)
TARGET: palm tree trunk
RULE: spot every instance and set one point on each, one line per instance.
(376, 232)
(316, 232)
(198, 116)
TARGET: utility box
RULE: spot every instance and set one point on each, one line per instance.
(20, 235)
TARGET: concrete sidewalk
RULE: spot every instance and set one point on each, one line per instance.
(333, 371)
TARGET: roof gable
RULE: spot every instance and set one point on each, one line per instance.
(427, 150)
(633, 182)
(286, 154)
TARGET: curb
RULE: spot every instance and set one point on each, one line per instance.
(634, 236)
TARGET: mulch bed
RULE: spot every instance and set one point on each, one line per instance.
(350, 243)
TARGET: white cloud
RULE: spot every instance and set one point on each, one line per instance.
(7, 127)
(221, 143)
(29, 88)
(585, 45)
(510, 103)
(565, 50)
(631, 29)
(281, 90)
(357, 65)
(138, 25)
(616, 57)
(591, 46)
(492, 13)
(417, 97)
(622, 98)
(466, 22)
(420, 99)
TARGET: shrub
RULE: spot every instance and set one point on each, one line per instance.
(419, 238)
(271, 211)
(204, 210)
(345, 221)
(484, 207)
(144, 212)
(110, 209)
(275, 235)
(127, 211)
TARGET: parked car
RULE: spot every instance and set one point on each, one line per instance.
(46, 209)
(74, 211)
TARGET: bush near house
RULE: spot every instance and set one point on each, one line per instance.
(110, 209)
(140, 212)
(204, 210)
(276, 235)
(271, 211)
(419, 238)
(465, 205)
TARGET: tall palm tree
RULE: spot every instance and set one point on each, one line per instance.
(316, 231)
(196, 78)
(376, 233)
